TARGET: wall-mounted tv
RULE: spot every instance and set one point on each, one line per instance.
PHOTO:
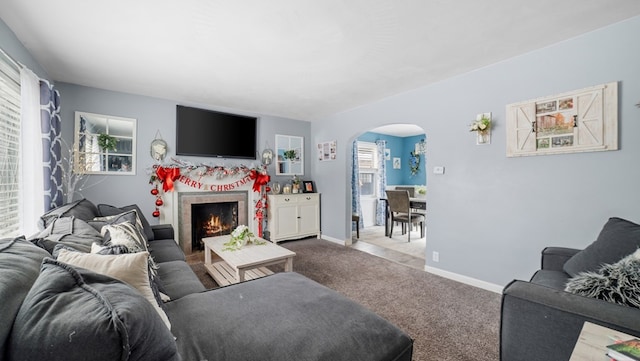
(207, 133)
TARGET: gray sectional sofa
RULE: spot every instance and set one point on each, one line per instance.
(541, 319)
(54, 310)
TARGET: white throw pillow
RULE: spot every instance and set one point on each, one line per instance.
(131, 268)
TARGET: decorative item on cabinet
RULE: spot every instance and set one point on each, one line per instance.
(308, 187)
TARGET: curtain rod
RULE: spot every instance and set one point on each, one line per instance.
(16, 63)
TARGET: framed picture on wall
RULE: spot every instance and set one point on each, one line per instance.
(396, 163)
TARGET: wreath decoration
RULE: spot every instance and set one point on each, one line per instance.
(414, 163)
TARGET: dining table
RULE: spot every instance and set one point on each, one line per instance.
(417, 203)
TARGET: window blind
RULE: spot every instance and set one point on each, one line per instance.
(9, 146)
(367, 156)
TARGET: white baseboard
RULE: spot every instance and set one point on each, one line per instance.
(446, 274)
(337, 241)
(464, 279)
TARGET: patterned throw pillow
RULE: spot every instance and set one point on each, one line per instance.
(125, 234)
(129, 216)
(109, 210)
(616, 283)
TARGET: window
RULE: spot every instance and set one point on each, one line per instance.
(9, 147)
(368, 164)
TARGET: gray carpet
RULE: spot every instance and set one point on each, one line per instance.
(449, 321)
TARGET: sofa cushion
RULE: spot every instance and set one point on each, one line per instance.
(19, 267)
(178, 279)
(70, 231)
(131, 268)
(166, 250)
(617, 239)
(82, 209)
(74, 314)
(308, 320)
(108, 210)
(617, 283)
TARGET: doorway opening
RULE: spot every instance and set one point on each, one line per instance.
(389, 157)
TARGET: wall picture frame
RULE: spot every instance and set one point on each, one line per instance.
(308, 187)
(583, 120)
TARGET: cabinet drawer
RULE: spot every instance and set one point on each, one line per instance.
(284, 199)
(308, 198)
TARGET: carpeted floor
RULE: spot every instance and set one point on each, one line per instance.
(449, 321)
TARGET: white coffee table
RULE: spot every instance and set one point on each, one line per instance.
(246, 263)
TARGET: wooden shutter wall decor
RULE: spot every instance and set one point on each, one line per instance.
(584, 120)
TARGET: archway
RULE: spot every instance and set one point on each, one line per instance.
(404, 144)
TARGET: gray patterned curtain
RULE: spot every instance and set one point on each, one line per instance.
(382, 182)
(355, 186)
(51, 145)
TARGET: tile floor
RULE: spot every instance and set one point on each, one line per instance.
(397, 248)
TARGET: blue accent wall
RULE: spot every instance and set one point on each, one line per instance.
(401, 147)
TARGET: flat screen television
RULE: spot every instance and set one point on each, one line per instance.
(207, 133)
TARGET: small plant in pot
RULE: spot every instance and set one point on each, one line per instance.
(290, 154)
(107, 142)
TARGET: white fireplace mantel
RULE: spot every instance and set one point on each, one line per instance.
(169, 211)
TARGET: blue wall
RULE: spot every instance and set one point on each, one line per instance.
(400, 147)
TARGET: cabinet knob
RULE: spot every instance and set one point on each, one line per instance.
(286, 199)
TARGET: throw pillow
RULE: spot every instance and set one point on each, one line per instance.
(70, 231)
(82, 209)
(108, 210)
(129, 216)
(617, 239)
(154, 281)
(132, 268)
(125, 234)
(74, 314)
(617, 283)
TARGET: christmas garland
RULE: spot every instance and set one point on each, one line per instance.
(190, 174)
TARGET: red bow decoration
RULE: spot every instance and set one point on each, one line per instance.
(260, 179)
(167, 176)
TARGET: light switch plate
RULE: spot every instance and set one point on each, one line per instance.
(438, 170)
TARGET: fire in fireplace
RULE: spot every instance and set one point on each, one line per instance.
(212, 219)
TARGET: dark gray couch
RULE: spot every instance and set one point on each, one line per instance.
(50, 310)
(541, 321)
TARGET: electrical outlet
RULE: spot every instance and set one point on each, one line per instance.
(435, 256)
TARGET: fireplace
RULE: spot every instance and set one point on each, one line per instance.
(210, 220)
(208, 214)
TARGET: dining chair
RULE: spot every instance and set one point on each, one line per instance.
(412, 193)
(411, 190)
(400, 211)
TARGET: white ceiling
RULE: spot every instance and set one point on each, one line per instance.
(301, 59)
